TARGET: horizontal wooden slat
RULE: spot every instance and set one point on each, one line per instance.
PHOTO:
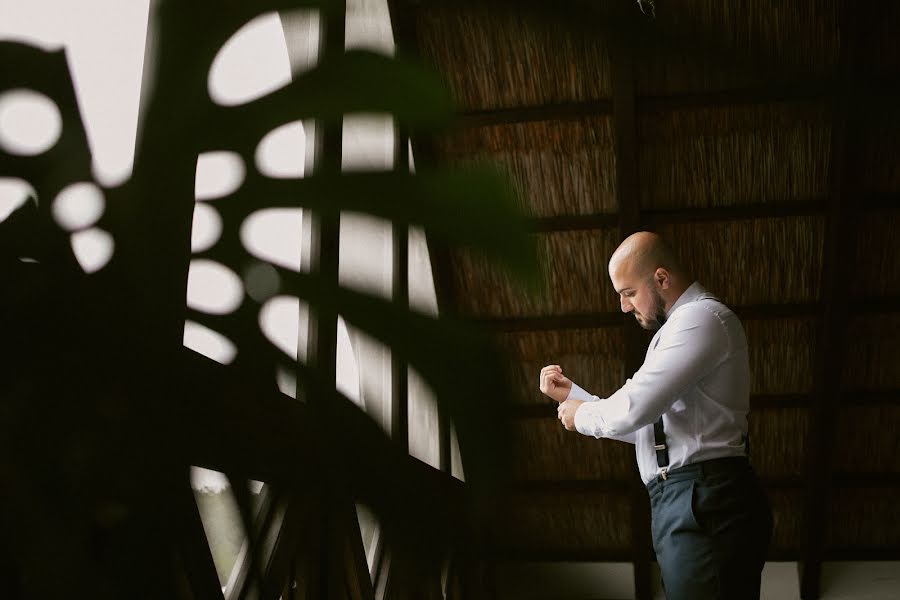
(525, 114)
(617, 319)
(547, 410)
(812, 207)
(805, 92)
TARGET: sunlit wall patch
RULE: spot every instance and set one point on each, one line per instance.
(251, 64)
(93, 248)
(30, 122)
(273, 234)
(213, 288)
(218, 174)
(14, 192)
(281, 152)
(78, 206)
(206, 228)
(282, 319)
(209, 343)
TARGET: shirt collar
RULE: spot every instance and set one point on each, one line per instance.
(694, 291)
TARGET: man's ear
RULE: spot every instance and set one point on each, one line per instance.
(662, 277)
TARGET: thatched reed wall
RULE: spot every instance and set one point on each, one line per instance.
(759, 261)
(494, 59)
(873, 353)
(793, 38)
(781, 355)
(879, 45)
(577, 521)
(878, 159)
(863, 517)
(876, 265)
(778, 439)
(590, 357)
(863, 441)
(788, 516)
(543, 449)
(559, 167)
(734, 156)
(574, 271)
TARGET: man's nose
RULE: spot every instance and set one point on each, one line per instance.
(626, 306)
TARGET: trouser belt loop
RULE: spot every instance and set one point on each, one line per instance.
(662, 452)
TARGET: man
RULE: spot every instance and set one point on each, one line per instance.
(685, 410)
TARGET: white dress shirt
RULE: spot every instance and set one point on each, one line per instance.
(696, 375)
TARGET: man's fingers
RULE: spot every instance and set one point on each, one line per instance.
(548, 377)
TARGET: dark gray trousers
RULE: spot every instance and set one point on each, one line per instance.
(711, 526)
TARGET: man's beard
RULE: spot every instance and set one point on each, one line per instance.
(657, 316)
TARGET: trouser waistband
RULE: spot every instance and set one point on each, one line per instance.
(727, 464)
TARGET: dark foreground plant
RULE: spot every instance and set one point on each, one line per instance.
(102, 410)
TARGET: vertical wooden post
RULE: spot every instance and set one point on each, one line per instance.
(628, 196)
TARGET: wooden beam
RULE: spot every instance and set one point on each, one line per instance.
(527, 114)
(287, 557)
(339, 542)
(396, 576)
(814, 207)
(421, 151)
(541, 487)
(870, 398)
(600, 320)
(880, 202)
(509, 554)
(876, 306)
(768, 210)
(831, 326)
(628, 194)
(400, 296)
(807, 91)
(547, 410)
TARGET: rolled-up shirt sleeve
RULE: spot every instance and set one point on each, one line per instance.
(692, 344)
(578, 393)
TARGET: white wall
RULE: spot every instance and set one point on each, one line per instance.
(104, 42)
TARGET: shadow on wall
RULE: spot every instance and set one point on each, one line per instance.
(107, 410)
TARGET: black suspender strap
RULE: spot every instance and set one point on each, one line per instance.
(662, 452)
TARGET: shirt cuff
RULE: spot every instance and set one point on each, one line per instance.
(577, 393)
(584, 421)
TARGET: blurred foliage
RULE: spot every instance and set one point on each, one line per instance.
(102, 410)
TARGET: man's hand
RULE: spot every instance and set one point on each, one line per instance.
(554, 384)
(566, 413)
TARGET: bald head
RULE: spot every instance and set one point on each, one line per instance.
(641, 254)
(648, 277)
